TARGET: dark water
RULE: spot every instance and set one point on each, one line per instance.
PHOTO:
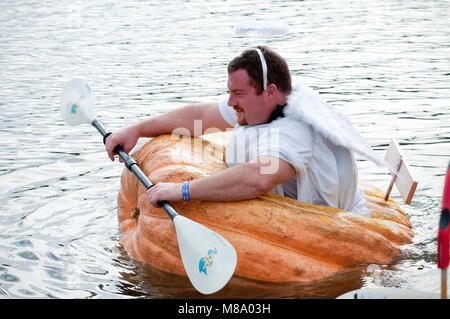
(386, 64)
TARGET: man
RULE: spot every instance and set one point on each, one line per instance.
(296, 145)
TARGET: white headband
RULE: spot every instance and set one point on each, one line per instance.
(264, 67)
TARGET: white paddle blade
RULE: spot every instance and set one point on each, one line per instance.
(208, 258)
(76, 103)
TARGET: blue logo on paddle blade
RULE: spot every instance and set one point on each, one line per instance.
(207, 261)
(74, 108)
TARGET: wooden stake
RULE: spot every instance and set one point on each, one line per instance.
(394, 177)
(444, 284)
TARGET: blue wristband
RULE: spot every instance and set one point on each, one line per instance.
(186, 191)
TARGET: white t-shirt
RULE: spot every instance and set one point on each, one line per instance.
(326, 173)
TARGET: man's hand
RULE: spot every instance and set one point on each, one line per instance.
(126, 137)
(164, 191)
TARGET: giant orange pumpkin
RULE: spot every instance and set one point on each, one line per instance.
(277, 239)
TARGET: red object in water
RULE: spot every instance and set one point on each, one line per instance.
(444, 229)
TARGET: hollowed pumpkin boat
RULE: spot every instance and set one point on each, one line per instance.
(277, 239)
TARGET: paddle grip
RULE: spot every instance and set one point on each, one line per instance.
(133, 167)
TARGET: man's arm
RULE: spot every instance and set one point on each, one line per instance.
(182, 120)
(244, 181)
(185, 117)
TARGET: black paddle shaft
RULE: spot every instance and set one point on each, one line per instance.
(133, 167)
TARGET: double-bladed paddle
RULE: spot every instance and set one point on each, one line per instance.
(200, 247)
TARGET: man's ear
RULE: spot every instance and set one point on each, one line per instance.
(272, 90)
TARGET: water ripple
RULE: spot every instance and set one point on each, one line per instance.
(383, 63)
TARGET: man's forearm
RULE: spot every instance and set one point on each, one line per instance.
(237, 183)
(244, 181)
(180, 121)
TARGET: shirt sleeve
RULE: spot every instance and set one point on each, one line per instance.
(290, 141)
(227, 112)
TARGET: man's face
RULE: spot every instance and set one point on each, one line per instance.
(251, 108)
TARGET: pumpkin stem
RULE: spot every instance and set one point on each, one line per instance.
(135, 213)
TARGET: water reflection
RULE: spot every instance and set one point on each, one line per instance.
(149, 282)
(383, 63)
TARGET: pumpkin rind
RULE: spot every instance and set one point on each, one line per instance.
(277, 239)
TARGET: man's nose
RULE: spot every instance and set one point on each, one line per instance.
(231, 101)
